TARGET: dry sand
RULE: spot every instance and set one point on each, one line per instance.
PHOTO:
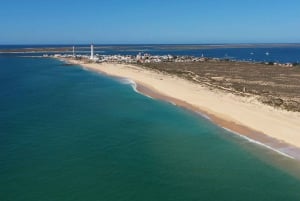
(276, 129)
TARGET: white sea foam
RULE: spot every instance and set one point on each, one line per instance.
(129, 82)
(133, 84)
(203, 115)
(259, 143)
(173, 103)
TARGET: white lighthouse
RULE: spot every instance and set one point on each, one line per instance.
(73, 51)
(92, 51)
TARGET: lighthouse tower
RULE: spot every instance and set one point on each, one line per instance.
(73, 51)
(92, 51)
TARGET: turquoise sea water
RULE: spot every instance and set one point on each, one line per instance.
(70, 134)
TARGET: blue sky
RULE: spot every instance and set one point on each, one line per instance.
(150, 21)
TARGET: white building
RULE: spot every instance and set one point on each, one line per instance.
(92, 51)
(139, 56)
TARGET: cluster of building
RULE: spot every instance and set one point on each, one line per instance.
(144, 58)
(139, 58)
(281, 64)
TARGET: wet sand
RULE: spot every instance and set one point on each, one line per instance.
(243, 131)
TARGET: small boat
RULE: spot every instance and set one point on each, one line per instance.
(267, 53)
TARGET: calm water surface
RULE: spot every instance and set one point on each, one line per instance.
(70, 134)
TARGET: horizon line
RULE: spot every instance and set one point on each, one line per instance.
(121, 44)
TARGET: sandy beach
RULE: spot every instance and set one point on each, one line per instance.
(275, 128)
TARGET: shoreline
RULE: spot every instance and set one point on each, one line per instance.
(240, 130)
(226, 121)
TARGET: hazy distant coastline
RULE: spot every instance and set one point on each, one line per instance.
(68, 48)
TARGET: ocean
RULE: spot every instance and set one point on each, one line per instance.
(68, 134)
